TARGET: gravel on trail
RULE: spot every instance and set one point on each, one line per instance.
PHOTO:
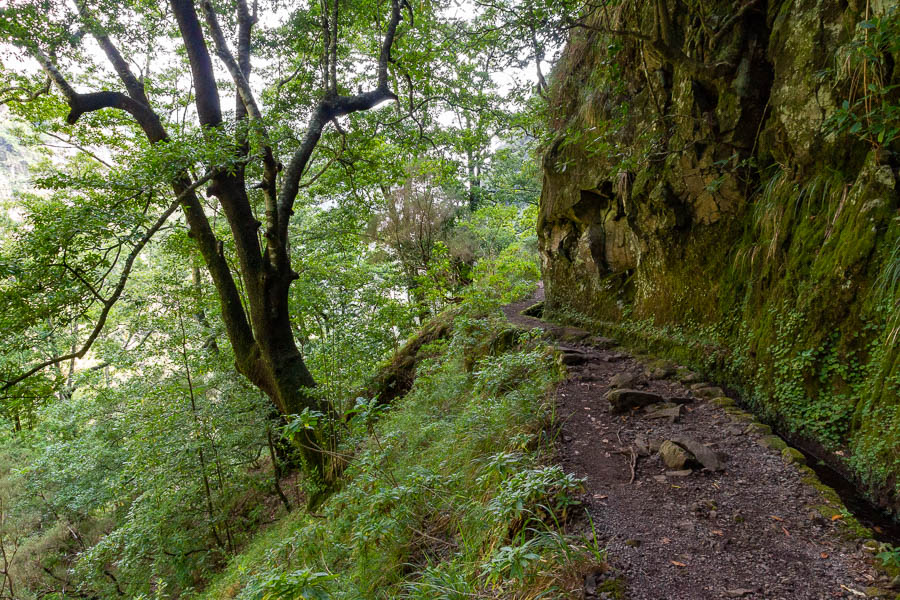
(749, 530)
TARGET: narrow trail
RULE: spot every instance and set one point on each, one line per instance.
(749, 530)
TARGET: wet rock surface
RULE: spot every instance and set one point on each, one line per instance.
(733, 522)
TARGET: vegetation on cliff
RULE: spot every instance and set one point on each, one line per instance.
(723, 185)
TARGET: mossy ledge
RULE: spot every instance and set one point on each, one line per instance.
(724, 220)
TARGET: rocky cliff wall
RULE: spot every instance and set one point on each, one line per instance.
(721, 181)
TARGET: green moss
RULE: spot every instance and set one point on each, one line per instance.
(875, 592)
(772, 286)
(758, 429)
(774, 442)
(793, 456)
(615, 587)
(739, 416)
(834, 509)
(800, 328)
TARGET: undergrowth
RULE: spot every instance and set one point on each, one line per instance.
(450, 493)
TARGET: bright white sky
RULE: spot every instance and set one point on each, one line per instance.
(463, 9)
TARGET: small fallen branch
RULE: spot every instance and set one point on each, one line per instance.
(632, 454)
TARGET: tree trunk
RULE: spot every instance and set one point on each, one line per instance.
(262, 338)
(272, 361)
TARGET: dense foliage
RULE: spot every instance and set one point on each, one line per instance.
(194, 293)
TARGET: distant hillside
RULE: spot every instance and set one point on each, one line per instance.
(14, 159)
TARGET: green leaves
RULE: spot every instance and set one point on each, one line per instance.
(889, 556)
(512, 562)
(532, 491)
(872, 110)
(302, 584)
(306, 421)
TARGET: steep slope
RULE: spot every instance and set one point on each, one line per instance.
(722, 183)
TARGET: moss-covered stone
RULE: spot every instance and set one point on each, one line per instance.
(793, 456)
(738, 415)
(774, 442)
(758, 429)
(723, 402)
(709, 392)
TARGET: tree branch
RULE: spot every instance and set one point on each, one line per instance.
(132, 84)
(117, 291)
(332, 50)
(249, 103)
(31, 95)
(246, 21)
(234, 314)
(227, 58)
(84, 103)
(330, 108)
(207, 92)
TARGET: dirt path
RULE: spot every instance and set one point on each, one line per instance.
(747, 531)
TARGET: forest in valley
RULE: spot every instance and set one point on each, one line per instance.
(314, 299)
(222, 218)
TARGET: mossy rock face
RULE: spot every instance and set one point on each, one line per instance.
(774, 442)
(758, 429)
(732, 230)
(723, 402)
(793, 456)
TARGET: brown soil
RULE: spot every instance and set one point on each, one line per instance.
(749, 531)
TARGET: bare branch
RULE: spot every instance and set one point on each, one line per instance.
(30, 96)
(78, 146)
